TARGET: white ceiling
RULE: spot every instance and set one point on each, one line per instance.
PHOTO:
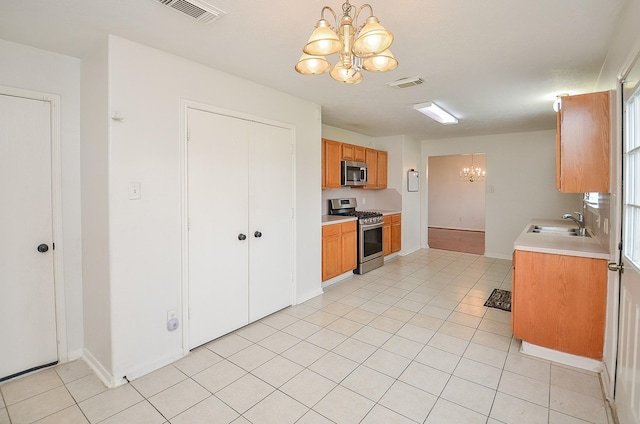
(495, 64)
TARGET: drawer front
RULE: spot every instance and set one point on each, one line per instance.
(395, 219)
(348, 227)
(330, 230)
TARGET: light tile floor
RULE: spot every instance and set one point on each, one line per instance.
(410, 342)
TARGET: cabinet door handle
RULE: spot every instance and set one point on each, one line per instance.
(43, 248)
(257, 234)
(242, 237)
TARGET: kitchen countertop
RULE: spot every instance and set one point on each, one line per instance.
(336, 219)
(587, 247)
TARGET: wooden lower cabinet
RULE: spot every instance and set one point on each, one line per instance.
(392, 234)
(339, 249)
(559, 302)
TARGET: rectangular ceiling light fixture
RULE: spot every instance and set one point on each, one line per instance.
(436, 113)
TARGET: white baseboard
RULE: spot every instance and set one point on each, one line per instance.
(337, 279)
(310, 295)
(561, 357)
(497, 256)
(72, 355)
(100, 371)
(146, 368)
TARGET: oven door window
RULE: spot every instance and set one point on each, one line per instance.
(372, 241)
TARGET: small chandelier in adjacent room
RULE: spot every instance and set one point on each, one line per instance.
(472, 174)
(358, 47)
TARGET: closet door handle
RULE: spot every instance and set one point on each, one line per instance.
(242, 237)
(257, 234)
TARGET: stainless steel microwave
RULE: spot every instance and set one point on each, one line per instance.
(353, 173)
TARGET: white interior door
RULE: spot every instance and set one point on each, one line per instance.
(218, 216)
(628, 372)
(27, 297)
(270, 219)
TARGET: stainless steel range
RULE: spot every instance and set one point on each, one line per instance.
(370, 253)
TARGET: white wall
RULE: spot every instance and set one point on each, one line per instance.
(345, 136)
(411, 208)
(98, 313)
(521, 171)
(455, 203)
(38, 70)
(145, 263)
(404, 154)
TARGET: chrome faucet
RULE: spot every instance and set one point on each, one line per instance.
(580, 222)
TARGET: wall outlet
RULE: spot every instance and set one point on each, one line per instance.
(172, 320)
(364, 201)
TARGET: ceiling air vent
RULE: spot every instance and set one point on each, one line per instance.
(199, 10)
(406, 82)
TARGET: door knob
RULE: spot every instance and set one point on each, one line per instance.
(43, 248)
(615, 267)
(241, 237)
(257, 234)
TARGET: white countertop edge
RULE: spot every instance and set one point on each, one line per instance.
(336, 219)
(555, 251)
(586, 247)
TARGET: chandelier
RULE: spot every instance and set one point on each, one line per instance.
(358, 47)
(472, 174)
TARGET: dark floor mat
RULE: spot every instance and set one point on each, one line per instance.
(499, 299)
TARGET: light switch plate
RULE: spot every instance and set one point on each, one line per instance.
(134, 191)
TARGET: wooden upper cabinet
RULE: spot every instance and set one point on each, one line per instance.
(353, 152)
(382, 169)
(331, 154)
(371, 158)
(582, 143)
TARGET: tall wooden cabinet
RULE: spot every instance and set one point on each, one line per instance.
(559, 302)
(339, 249)
(331, 157)
(582, 143)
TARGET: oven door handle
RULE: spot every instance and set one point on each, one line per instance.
(365, 227)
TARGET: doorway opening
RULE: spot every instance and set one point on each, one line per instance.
(456, 204)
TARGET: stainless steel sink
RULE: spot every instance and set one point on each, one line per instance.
(556, 231)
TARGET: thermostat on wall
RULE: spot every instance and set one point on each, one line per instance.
(413, 180)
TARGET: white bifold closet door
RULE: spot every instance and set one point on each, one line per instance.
(240, 200)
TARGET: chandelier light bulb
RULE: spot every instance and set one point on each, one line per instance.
(372, 39)
(323, 41)
(312, 65)
(382, 62)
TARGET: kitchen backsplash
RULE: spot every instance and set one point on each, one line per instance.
(596, 216)
(388, 199)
